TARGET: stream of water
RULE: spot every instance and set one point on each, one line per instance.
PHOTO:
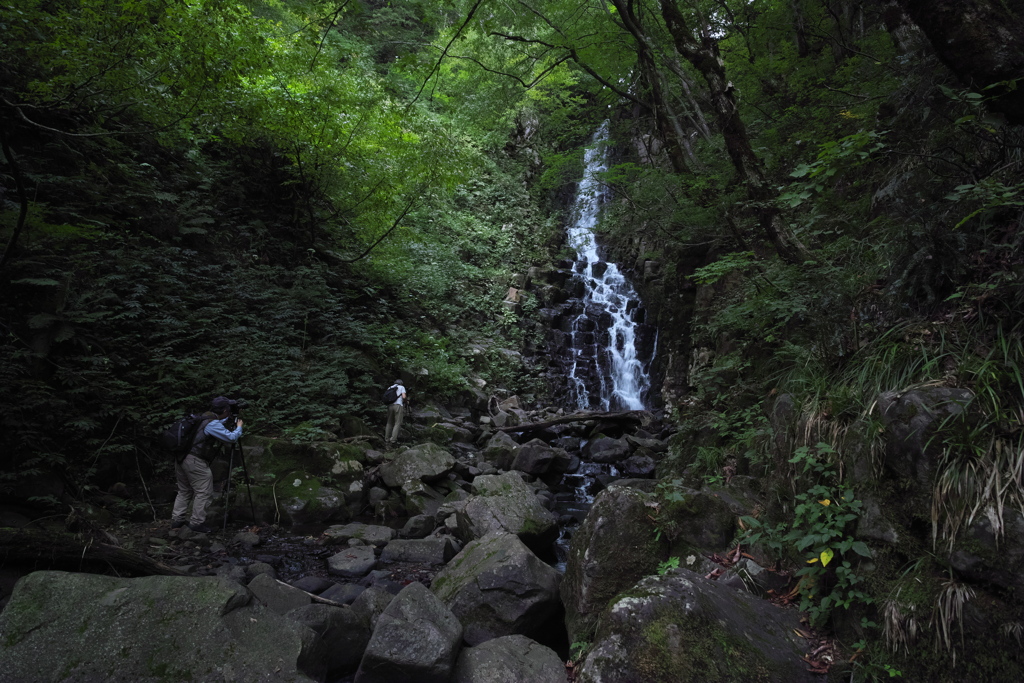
(606, 370)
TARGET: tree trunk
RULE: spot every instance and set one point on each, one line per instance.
(982, 42)
(704, 55)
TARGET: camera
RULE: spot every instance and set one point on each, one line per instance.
(238, 405)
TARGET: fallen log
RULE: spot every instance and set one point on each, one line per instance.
(41, 549)
(634, 416)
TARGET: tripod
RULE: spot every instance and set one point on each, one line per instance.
(232, 449)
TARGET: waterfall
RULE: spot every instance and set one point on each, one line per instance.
(604, 367)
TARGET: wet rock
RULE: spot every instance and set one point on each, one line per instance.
(682, 627)
(640, 466)
(606, 450)
(247, 539)
(509, 659)
(496, 587)
(352, 563)
(536, 457)
(416, 639)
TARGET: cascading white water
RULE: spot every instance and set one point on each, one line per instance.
(606, 328)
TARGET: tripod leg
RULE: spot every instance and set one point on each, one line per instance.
(245, 471)
(227, 485)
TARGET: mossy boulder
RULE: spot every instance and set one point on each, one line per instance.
(297, 498)
(681, 628)
(617, 545)
(61, 626)
(504, 503)
(426, 462)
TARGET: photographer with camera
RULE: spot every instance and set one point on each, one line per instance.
(194, 476)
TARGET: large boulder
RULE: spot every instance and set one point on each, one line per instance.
(416, 639)
(61, 626)
(504, 503)
(343, 632)
(425, 462)
(500, 450)
(536, 457)
(510, 659)
(616, 546)
(681, 628)
(607, 450)
(497, 587)
(912, 421)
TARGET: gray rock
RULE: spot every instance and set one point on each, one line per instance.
(496, 587)
(278, 596)
(420, 498)
(436, 550)
(313, 584)
(912, 420)
(500, 451)
(353, 562)
(504, 503)
(641, 466)
(615, 547)
(606, 450)
(419, 526)
(425, 462)
(416, 639)
(536, 457)
(369, 533)
(200, 629)
(510, 659)
(682, 627)
(247, 538)
(325, 505)
(256, 568)
(371, 603)
(343, 593)
(655, 445)
(343, 635)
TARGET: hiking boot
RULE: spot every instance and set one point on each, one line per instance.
(177, 524)
(200, 528)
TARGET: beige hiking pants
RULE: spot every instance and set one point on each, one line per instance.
(395, 413)
(195, 485)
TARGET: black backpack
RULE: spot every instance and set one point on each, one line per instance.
(180, 436)
(391, 395)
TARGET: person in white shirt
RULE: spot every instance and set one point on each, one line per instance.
(395, 413)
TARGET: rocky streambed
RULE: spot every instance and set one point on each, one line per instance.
(478, 552)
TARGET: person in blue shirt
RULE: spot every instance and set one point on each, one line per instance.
(195, 479)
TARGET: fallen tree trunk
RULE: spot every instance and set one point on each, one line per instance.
(633, 416)
(60, 550)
